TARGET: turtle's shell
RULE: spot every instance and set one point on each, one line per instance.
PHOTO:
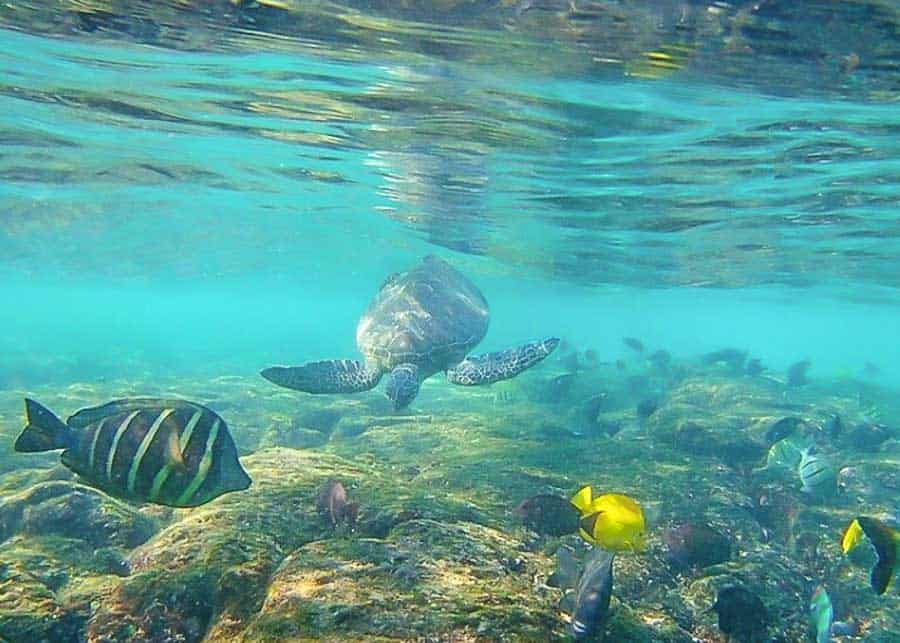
(430, 316)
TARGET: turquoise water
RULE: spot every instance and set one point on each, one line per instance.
(230, 206)
(194, 192)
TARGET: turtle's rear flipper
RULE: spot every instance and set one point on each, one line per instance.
(502, 365)
(329, 376)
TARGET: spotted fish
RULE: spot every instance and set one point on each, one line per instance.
(169, 452)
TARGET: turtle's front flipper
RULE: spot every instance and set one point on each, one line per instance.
(502, 365)
(329, 376)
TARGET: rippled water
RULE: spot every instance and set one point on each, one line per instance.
(751, 147)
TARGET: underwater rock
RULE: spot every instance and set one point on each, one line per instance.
(548, 514)
(696, 544)
(730, 445)
(204, 574)
(742, 614)
(446, 581)
(321, 420)
(30, 611)
(293, 438)
(348, 428)
(381, 524)
(731, 357)
(73, 510)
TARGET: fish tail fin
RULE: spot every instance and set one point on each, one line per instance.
(43, 430)
(582, 500)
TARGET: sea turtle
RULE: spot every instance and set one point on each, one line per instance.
(421, 321)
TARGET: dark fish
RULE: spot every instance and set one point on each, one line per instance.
(633, 344)
(886, 542)
(553, 391)
(871, 370)
(868, 436)
(647, 407)
(588, 604)
(696, 545)
(796, 373)
(833, 427)
(590, 355)
(594, 404)
(755, 367)
(549, 514)
(332, 503)
(782, 428)
(169, 452)
(661, 359)
(621, 365)
(742, 615)
(731, 356)
(570, 362)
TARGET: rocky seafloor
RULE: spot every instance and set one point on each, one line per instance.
(438, 552)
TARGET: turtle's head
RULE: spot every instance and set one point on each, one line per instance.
(403, 385)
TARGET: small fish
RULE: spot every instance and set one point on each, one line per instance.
(588, 601)
(548, 514)
(784, 454)
(590, 356)
(885, 540)
(634, 344)
(782, 428)
(817, 474)
(571, 362)
(646, 408)
(742, 615)
(796, 373)
(612, 521)
(755, 367)
(661, 359)
(696, 544)
(833, 427)
(168, 452)
(821, 614)
(332, 503)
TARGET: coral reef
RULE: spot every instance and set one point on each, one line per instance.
(439, 551)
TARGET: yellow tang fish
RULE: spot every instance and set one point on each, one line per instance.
(886, 542)
(612, 521)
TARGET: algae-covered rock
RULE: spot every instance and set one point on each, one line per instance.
(214, 560)
(426, 577)
(70, 509)
(292, 437)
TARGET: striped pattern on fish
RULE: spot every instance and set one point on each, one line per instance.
(170, 452)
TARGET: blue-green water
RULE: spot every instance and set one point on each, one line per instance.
(194, 192)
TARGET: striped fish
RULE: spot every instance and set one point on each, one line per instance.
(169, 452)
(817, 475)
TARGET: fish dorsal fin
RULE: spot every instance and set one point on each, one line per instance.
(92, 414)
(583, 499)
(174, 456)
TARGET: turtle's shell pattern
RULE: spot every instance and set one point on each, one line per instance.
(431, 316)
